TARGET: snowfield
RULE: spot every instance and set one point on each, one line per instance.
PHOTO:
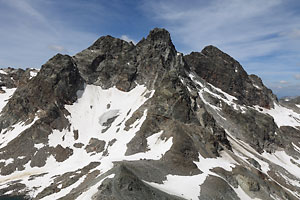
(282, 115)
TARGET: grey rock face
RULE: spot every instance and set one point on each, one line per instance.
(224, 72)
(108, 62)
(126, 186)
(221, 190)
(55, 85)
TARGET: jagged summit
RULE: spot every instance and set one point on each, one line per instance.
(123, 121)
(160, 36)
(111, 61)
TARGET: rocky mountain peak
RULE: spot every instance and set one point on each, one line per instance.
(54, 86)
(109, 44)
(212, 50)
(159, 35)
(224, 72)
(123, 121)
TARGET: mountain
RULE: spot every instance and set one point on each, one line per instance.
(120, 121)
(291, 102)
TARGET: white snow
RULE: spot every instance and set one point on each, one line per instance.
(7, 136)
(282, 115)
(190, 186)
(156, 148)
(87, 115)
(9, 161)
(192, 76)
(2, 71)
(64, 191)
(282, 159)
(4, 97)
(228, 96)
(298, 105)
(296, 148)
(216, 92)
(245, 151)
(257, 86)
(290, 181)
(242, 194)
(187, 187)
(32, 74)
(39, 146)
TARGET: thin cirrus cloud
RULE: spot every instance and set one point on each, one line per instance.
(58, 48)
(283, 82)
(32, 35)
(245, 28)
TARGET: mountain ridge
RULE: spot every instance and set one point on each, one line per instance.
(132, 121)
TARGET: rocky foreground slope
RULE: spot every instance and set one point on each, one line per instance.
(120, 121)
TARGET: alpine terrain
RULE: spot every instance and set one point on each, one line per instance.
(120, 121)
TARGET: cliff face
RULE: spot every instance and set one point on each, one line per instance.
(222, 71)
(125, 121)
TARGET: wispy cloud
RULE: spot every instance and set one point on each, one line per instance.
(293, 34)
(30, 34)
(58, 48)
(25, 7)
(262, 35)
(242, 28)
(283, 82)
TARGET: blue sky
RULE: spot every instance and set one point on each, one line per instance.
(263, 35)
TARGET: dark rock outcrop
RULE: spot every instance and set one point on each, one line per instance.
(55, 85)
(222, 71)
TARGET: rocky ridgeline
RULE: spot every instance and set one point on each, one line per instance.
(12, 78)
(204, 102)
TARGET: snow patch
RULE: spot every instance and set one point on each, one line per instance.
(9, 161)
(32, 74)
(156, 148)
(190, 186)
(282, 115)
(215, 92)
(64, 191)
(4, 97)
(2, 72)
(9, 134)
(282, 159)
(39, 146)
(257, 86)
